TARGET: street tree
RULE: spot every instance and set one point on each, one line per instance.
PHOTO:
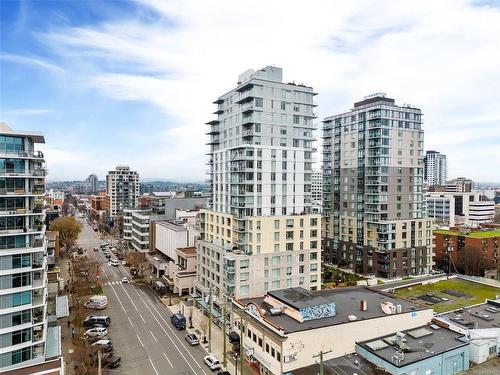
(471, 261)
(68, 229)
(138, 261)
(203, 324)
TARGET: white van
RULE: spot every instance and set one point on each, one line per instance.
(97, 302)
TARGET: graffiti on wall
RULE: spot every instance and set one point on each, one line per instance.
(326, 310)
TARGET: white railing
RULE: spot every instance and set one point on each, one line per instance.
(482, 280)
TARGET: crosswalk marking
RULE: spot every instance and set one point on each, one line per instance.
(114, 282)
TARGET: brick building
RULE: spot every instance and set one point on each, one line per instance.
(484, 243)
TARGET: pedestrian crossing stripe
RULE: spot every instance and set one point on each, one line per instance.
(113, 283)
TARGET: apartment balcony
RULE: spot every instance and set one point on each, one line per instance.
(213, 130)
(229, 269)
(21, 154)
(38, 210)
(39, 172)
(229, 281)
(34, 229)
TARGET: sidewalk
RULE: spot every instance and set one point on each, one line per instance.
(217, 342)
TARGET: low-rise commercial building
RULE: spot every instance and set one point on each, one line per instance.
(481, 326)
(428, 349)
(452, 208)
(99, 204)
(180, 274)
(285, 330)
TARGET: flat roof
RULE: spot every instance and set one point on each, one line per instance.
(418, 344)
(472, 234)
(37, 137)
(485, 315)
(347, 302)
(171, 225)
(348, 364)
(187, 251)
(299, 297)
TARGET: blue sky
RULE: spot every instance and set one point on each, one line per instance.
(132, 82)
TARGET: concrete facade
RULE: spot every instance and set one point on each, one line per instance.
(23, 264)
(122, 187)
(373, 205)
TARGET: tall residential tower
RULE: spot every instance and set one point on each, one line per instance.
(435, 169)
(122, 187)
(23, 276)
(259, 234)
(373, 178)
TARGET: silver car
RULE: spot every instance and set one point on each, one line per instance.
(192, 339)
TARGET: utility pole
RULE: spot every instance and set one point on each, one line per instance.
(320, 355)
(224, 355)
(242, 351)
(210, 320)
(99, 370)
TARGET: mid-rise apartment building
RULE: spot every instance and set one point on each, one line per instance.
(23, 276)
(372, 195)
(259, 233)
(122, 187)
(435, 168)
(317, 192)
(459, 185)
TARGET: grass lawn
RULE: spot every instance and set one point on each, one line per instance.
(478, 293)
(476, 234)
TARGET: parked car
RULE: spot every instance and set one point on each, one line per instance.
(212, 362)
(115, 262)
(104, 345)
(179, 321)
(107, 255)
(192, 339)
(223, 373)
(96, 332)
(89, 321)
(110, 360)
(124, 280)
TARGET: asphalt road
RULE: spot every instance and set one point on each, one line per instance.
(140, 328)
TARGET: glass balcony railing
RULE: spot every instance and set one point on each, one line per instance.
(22, 153)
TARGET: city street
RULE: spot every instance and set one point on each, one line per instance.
(141, 331)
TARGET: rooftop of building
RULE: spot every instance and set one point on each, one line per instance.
(348, 364)
(485, 315)
(187, 251)
(347, 306)
(414, 345)
(482, 233)
(174, 225)
(5, 129)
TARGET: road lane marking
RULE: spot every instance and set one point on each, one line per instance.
(167, 335)
(130, 321)
(131, 300)
(173, 333)
(119, 300)
(154, 368)
(142, 318)
(153, 336)
(138, 338)
(171, 365)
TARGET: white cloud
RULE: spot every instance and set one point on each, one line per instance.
(33, 61)
(27, 112)
(442, 56)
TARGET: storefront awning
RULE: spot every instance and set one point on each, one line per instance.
(62, 307)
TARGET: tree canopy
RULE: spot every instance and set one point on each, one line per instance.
(68, 229)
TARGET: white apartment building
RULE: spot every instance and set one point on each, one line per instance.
(317, 192)
(452, 208)
(122, 187)
(127, 223)
(259, 233)
(435, 168)
(140, 230)
(23, 276)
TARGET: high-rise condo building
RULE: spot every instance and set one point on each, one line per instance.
(122, 187)
(23, 276)
(259, 234)
(372, 195)
(92, 183)
(435, 169)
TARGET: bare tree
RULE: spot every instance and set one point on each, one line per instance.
(203, 324)
(471, 261)
(138, 261)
